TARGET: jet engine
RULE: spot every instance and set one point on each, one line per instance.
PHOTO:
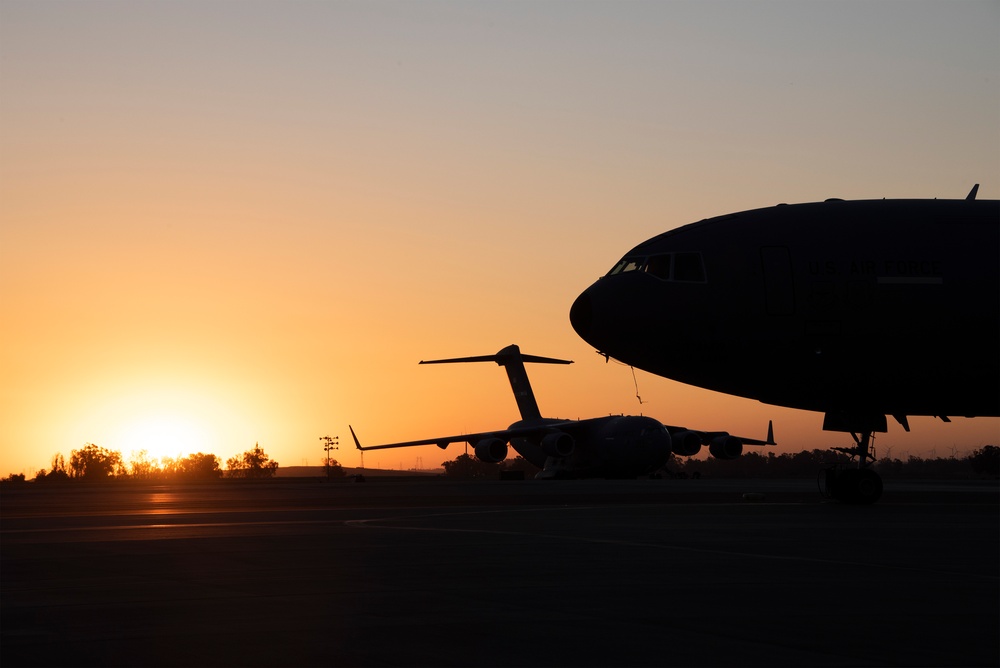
(726, 447)
(558, 444)
(686, 443)
(491, 450)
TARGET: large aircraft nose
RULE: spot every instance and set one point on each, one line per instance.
(581, 315)
(615, 316)
(596, 313)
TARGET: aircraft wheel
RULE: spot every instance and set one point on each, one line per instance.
(845, 483)
(858, 486)
(869, 487)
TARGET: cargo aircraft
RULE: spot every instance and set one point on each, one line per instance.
(856, 309)
(616, 446)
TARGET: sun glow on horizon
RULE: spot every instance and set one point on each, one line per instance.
(167, 417)
(163, 435)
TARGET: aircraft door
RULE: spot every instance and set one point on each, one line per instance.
(779, 292)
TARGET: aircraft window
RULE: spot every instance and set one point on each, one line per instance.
(659, 266)
(689, 268)
(628, 264)
(682, 267)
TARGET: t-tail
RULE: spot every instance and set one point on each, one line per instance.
(511, 359)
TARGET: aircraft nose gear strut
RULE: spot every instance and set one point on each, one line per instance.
(861, 485)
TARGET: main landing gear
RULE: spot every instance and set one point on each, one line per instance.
(858, 485)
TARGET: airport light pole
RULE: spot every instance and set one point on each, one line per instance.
(329, 443)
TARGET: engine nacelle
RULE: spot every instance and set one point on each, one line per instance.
(726, 447)
(558, 444)
(491, 450)
(685, 443)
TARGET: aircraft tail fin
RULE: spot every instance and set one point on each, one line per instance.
(513, 362)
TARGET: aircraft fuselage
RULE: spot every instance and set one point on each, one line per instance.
(614, 446)
(878, 307)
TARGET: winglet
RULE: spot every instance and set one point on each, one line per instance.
(356, 441)
(770, 433)
(972, 193)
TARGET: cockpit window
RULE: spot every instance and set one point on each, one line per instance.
(659, 266)
(677, 267)
(627, 264)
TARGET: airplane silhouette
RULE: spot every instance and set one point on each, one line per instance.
(856, 309)
(616, 446)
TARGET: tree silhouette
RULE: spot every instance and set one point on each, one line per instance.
(986, 461)
(92, 462)
(333, 469)
(251, 464)
(141, 467)
(519, 463)
(200, 466)
(467, 466)
(58, 473)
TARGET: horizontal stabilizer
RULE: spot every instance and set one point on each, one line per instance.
(456, 360)
(511, 359)
(504, 356)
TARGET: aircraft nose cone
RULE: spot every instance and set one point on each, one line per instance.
(593, 313)
(581, 316)
(615, 317)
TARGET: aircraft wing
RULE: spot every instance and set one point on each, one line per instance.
(444, 441)
(707, 436)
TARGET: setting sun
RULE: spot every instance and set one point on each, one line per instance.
(165, 419)
(163, 436)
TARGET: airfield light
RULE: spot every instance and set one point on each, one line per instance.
(329, 443)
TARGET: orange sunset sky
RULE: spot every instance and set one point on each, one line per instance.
(224, 223)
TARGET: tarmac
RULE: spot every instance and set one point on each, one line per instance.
(435, 572)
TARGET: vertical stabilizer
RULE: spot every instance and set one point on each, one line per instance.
(513, 361)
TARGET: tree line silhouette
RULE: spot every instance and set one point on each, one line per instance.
(981, 463)
(93, 463)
